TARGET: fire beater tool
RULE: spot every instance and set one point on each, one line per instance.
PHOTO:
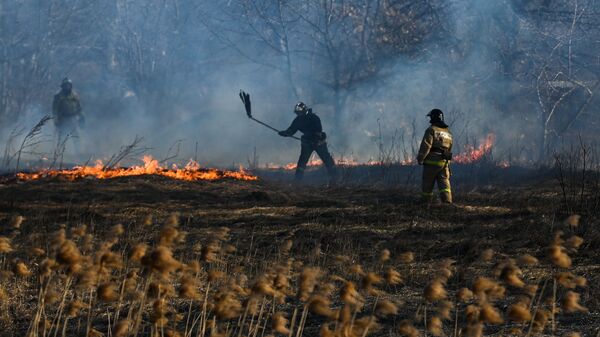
(246, 100)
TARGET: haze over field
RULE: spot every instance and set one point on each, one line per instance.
(525, 70)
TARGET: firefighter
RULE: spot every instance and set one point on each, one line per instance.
(313, 139)
(435, 155)
(66, 110)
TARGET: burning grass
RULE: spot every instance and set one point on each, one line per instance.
(131, 270)
(469, 154)
(191, 172)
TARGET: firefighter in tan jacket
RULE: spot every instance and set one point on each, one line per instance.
(435, 154)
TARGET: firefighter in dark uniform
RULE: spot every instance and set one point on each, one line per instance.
(313, 139)
(66, 110)
(435, 154)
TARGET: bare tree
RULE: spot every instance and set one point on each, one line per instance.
(327, 44)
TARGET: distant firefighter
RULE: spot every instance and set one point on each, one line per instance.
(435, 154)
(313, 139)
(66, 110)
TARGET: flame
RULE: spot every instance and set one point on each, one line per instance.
(472, 154)
(343, 162)
(191, 172)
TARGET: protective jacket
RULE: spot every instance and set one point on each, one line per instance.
(310, 126)
(435, 155)
(66, 108)
(436, 145)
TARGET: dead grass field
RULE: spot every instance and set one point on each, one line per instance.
(271, 259)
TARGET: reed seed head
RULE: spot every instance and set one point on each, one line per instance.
(68, 253)
(407, 329)
(138, 252)
(559, 257)
(486, 288)
(574, 242)
(573, 220)
(319, 305)
(349, 295)
(307, 281)
(464, 295)
(161, 260)
(5, 246)
(392, 277)
(121, 329)
(107, 292)
(227, 306)
(489, 314)
(279, 324)
(511, 275)
(435, 291)
(435, 326)
(21, 269)
(386, 308)
(474, 330)
(519, 312)
(384, 256)
(540, 320)
(527, 260)
(74, 307)
(17, 222)
(570, 303)
(406, 257)
(189, 288)
(444, 309)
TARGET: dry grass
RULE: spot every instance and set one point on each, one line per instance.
(144, 258)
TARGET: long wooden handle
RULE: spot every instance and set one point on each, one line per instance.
(270, 127)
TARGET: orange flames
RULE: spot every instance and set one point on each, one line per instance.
(191, 172)
(470, 154)
(473, 154)
(315, 162)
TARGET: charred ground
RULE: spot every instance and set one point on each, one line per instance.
(358, 222)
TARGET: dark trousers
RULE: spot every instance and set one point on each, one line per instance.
(437, 174)
(66, 130)
(305, 153)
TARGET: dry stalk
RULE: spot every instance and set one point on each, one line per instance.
(293, 321)
(138, 318)
(242, 319)
(204, 306)
(89, 317)
(425, 318)
(535, 308)
(260, 313)
(302, 321)
(61, 307)
(121, 293)
(554, 286)
(371, 319)
(33, 327)
(456, 318)
(187, 321)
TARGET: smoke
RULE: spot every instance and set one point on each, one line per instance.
(171, 75)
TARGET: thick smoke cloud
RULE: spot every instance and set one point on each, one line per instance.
(171, 70)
